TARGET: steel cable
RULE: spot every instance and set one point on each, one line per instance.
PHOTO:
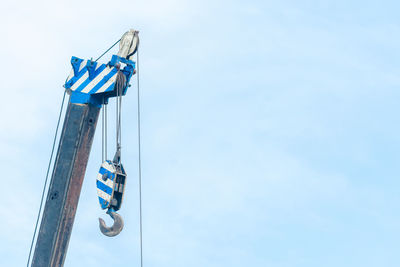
(47, 177)
(107, 50)
(140, 162)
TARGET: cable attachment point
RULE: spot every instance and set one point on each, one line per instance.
(117, 156)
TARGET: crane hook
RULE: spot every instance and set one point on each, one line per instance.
(116, 228)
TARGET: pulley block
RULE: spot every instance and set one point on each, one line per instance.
(110, 190)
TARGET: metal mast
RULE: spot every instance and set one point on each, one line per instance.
(65, 186)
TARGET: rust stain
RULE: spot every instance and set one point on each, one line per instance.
(74, 187)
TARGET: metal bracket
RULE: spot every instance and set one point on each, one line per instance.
(90, 82)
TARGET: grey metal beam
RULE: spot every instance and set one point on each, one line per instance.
(65, 186)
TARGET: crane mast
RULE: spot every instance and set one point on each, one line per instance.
(90, 85)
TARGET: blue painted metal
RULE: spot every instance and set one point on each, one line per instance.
(105, 183)
(103, 187)
(94, 83)
(110, 174)
(110, 185)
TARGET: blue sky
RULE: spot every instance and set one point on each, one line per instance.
(270, 130)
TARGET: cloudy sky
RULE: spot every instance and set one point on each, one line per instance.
(270, 130)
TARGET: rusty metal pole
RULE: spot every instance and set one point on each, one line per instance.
(65, 186)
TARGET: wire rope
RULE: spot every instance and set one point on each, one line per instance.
(46, 180)
(102, 134)
(140, 163)
(107, 50)
(105, 133)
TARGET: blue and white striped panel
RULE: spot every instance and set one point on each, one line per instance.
(105, 187)
(103, 79)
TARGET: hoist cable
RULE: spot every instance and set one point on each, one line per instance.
(105, 132)
(47, 177)
(104, 115)
(102, 134)
(107, 50)
(118, 115)
(140, 162)
(120, 84)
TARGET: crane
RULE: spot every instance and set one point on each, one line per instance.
(90, 86)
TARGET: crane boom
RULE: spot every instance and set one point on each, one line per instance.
(90, 85)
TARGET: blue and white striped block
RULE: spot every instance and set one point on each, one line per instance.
(105, 183)
(93, 83)
(90, 77)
